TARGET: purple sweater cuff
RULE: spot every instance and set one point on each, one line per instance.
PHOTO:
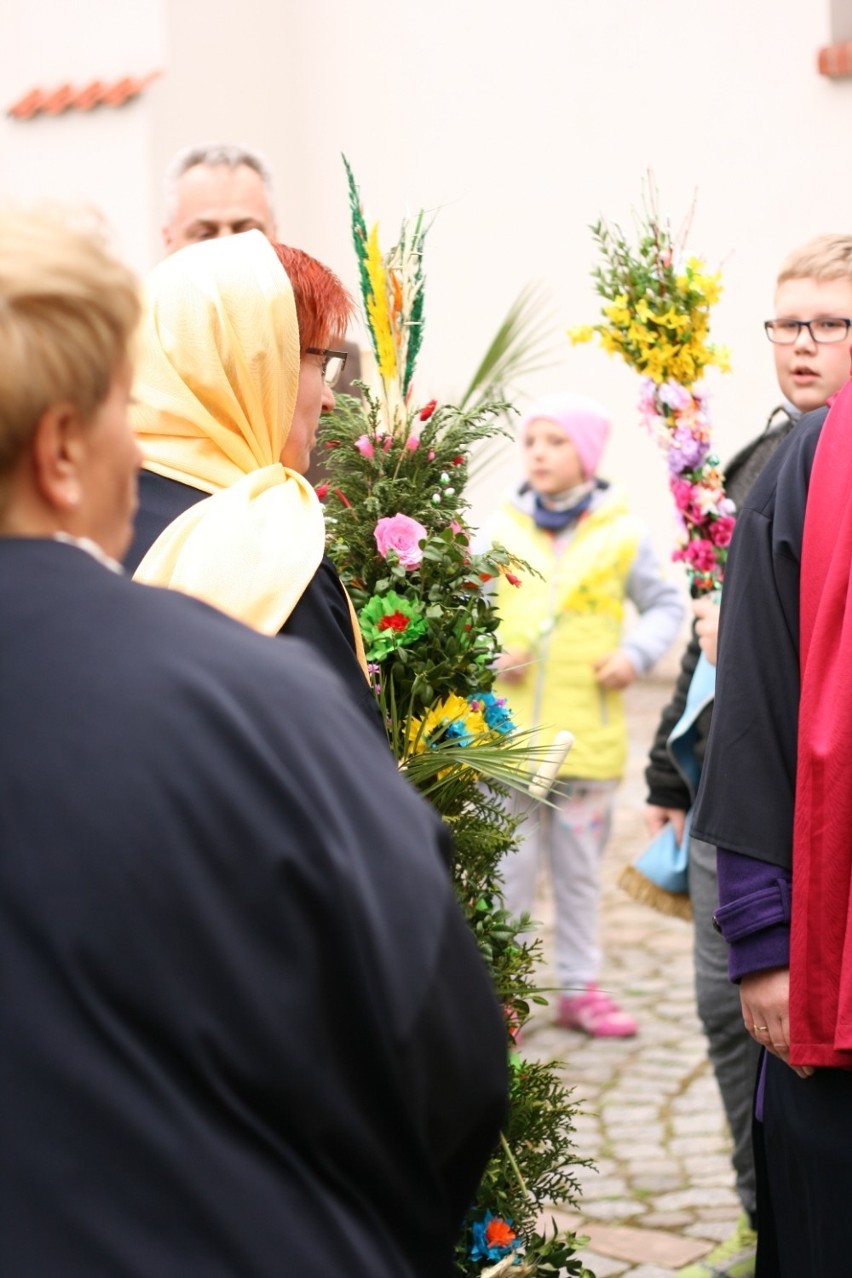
(753, 914)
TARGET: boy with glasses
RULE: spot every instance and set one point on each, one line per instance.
(810, 336)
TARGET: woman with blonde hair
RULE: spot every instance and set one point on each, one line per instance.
(244, 1026)
(236, 357)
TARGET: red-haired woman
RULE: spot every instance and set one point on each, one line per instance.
(235, 367)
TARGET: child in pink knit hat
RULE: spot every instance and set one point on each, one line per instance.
(564, 663)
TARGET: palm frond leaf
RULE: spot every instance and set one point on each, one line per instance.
(524, 343)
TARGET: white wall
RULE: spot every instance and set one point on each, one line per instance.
(517, 124)
(521, 124)
(97, 157)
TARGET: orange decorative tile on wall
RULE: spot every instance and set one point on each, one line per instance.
(835, 60)
(66, 97)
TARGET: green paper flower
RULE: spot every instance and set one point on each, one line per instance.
(387, 622)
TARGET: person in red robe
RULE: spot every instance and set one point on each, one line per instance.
(776, 800)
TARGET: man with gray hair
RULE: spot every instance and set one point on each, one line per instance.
(215, 189)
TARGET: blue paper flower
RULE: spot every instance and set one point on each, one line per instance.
(493, 1238)
(493, 710)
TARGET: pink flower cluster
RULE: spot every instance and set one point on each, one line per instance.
(678, 420)
(367, 448)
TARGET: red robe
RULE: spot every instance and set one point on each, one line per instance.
(821, 936)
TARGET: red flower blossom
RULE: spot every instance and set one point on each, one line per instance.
(512, 579)
(394, 621)
(498, 1233)
(458, 461)
(342, 497)
(321, 491)
(427, 410)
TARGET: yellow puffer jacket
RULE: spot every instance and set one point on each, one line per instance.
(565, 620)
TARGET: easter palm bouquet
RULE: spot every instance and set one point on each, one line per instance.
(656, 317)
(396, 470)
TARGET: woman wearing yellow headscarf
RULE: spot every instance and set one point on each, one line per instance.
(230, 385)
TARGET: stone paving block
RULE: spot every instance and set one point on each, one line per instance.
(703, 1122)
(671, 1221)
(639, 1246)
(717, 1230)
(604, 1187)
(649, 1271)
(727, 1214)
(637, 1152)
(612, 1208)
(686, 1146)
(646, 1182)
(603, 1266)
(665, 1056)
(704, 1166)
(696, 1099)
(639, 1085)
(720, 1179)
(700, 1197)
(632, 1115)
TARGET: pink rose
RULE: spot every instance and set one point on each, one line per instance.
(412, 443)
(722, 530)
(365, 446)
(401, 534)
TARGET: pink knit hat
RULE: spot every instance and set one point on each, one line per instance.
(585, 423)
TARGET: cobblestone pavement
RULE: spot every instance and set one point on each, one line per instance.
(661, 1194)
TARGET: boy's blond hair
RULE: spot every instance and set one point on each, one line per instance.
(68, 310)
(827, 257)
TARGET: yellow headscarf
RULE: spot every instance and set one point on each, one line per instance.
(216, 382)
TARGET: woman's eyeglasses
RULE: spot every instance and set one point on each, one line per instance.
(333, 363)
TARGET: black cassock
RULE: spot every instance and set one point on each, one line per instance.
(321, 617)
(244, 1029)
(745, 800)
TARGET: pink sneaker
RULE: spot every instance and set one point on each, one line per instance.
(595, 1014)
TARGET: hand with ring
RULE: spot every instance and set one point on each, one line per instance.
(765, 999)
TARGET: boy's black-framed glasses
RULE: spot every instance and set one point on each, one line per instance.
(333, 363)
(784, 332)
